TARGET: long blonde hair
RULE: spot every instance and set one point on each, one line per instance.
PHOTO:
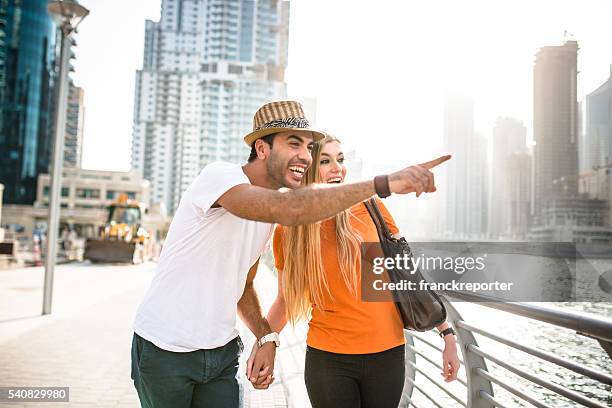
(304, 280)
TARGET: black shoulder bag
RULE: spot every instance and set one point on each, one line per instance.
(421, 310)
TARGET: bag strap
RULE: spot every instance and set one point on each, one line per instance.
(368, 207)
(379, 221)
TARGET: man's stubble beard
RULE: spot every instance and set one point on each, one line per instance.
(276, 171)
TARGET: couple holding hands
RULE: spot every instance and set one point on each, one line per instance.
(186, 347)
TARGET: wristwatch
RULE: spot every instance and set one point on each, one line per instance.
(270, 337)
(446, 332)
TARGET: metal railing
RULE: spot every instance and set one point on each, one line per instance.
(477, 388)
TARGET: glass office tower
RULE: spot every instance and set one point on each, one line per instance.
(27, 48)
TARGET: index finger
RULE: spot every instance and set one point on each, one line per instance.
(433, 163)
(255, 372)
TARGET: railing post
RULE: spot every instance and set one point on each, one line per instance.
(410, 372)
(475, 382)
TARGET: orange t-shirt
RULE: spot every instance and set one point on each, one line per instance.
(348, 325)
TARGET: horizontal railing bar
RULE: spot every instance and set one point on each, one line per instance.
(430, 344)
(510, 388)
(544, 383)
(424, 393)
(570, 365)
(450, 394)
(437, 365)
(413, 404)
(488, 397)
(594, 326)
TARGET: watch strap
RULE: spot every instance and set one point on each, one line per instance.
(447, 331)
(269, 338)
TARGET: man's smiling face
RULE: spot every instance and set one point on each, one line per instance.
(289, 158)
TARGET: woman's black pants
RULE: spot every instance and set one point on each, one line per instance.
(373, 380)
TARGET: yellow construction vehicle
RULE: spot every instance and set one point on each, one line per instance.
(123, 239)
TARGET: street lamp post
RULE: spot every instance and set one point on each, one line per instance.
(67, 15)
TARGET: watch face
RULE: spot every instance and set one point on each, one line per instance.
(269, 338)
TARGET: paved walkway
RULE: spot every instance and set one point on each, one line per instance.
(85, 343)
(289, 366)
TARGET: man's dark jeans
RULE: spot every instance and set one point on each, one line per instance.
(201, 378)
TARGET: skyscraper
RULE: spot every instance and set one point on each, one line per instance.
(208, 66)
(509, 142)
(27, 40)
(597, 149)
(465, 202)
(555, 125)
(598, 133)
(75, 116)
(561, 214)
(517, 195)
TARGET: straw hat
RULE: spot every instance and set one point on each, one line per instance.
(277, 117)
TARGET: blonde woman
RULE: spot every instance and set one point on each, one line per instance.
(355, 353)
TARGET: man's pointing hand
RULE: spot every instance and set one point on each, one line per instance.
(418, 178)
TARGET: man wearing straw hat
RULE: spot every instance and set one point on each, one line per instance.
(185, 346)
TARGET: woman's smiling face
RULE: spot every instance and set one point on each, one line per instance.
(331, 163)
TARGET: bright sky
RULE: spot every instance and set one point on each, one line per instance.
(379, 73)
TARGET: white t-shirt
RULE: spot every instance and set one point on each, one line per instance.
(202, 270)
